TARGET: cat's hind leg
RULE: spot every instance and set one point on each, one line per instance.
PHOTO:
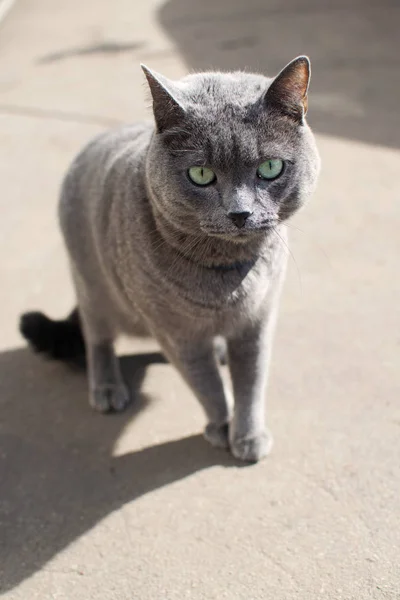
(107, 390)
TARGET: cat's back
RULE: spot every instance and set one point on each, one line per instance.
(112, 161)
(115, 149)
(103, 166)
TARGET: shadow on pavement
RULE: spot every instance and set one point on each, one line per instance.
(58, 477)
(355, 89)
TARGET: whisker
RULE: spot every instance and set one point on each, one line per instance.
(190, 244)
(292, 256)
(320, 248)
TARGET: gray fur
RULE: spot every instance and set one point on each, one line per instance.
(153, 254)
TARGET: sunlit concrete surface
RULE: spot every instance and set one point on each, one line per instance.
(138, 506)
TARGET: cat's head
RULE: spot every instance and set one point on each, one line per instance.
(232, 155)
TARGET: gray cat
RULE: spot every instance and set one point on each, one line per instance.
(178, 232)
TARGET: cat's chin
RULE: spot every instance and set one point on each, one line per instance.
(240, 237)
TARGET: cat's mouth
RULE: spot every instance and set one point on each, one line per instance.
(240, 234)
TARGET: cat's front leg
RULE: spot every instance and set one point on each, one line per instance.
(198, 364)
(249, 352)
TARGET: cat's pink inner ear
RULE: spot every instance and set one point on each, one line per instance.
(289, 89)
(168, 110)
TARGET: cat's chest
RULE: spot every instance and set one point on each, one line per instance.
(202, 300)
(174, 293)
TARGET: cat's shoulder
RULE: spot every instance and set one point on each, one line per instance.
(116, 140)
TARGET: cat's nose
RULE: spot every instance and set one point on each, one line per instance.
(239, 218)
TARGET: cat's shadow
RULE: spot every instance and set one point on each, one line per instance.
(58, 477)
(353, 48)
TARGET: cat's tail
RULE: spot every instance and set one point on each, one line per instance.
(59, 340)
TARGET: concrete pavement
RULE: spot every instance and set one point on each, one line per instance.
(137, 506)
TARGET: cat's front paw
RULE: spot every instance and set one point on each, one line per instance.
(217, 435)
(111, 397)
(252, 449)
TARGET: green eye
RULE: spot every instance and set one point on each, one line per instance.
(270, 169)
(201, 175)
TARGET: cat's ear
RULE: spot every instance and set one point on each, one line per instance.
(288, 91)
(167, 107)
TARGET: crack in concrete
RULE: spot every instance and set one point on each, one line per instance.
(110, 47)
(58, 115)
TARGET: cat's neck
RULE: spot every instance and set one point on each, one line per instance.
(207, 251)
